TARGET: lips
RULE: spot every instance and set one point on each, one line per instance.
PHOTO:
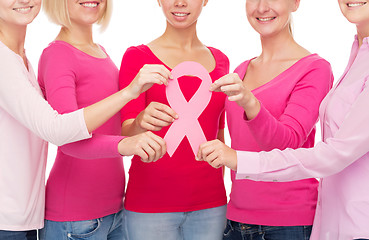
(23, 9)
(180, 14)
(355, 4)
(90, 4)
(265, 19)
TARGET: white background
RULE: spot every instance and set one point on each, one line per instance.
(318, 26)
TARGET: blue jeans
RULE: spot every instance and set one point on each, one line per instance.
(18, 235)
(207, 224)
(110, 227)
(241, 231)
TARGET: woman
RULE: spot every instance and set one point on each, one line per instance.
(26, 119)
(274, 102)
(341, 160)
(175, 197)
(84, 198)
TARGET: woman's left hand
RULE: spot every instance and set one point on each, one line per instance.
(217, 154)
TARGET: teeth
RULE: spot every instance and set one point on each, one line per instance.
(22, 10)
(90, 5)
(355, 4)
(265, 19)
(180, 14)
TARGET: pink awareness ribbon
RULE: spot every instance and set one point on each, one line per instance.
(187, 124)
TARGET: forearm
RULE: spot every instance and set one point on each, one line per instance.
(98, 113)
(131, 128)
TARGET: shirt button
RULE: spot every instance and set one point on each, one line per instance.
(69, 235)
(275, 180)
(247, 177)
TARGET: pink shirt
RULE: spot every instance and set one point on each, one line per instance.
(25, 120)
(289, 112)
(80, 189)
(178, 183)
(342, 159)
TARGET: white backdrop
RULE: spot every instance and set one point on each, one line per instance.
(318, 26)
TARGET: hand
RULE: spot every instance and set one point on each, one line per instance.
(233, 86)
(148, 146)
(217, 154)
(155, 117)
(148, 75)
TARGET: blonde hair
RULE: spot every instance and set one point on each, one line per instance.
(57, 12)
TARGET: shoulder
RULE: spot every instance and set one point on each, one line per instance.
(219, 55)
(314, 61)
(137, 51)
(60, 51)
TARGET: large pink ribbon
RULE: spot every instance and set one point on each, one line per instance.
(188, 112)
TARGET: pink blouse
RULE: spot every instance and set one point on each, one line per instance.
(341, 160)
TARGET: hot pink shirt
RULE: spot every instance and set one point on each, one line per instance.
(80, 189)
(342, 159)
(178, 183)
(289, 112)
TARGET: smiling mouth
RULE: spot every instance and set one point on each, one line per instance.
(23, 9)
(357, 4)
(265, 19)
(90, 4)
(180, 14)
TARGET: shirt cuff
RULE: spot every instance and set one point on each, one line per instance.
(248, 165)
(82, 122)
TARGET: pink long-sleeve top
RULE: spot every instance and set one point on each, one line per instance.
(341, 160)
(25, 120)
(77, 188)
(287, 118)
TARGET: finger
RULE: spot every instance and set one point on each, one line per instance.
(149, 151)
(235, 98)
(226, 80)
(217, 163)
(231, 88)
(163, 71)
(161, 142)
(162, 79)
(156, 147)
(211, 157)
(167, 110)
(142, 154)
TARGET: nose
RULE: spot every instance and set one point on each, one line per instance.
(263, 6)
(180, 3)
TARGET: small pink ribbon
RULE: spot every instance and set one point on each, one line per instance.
(187, 124)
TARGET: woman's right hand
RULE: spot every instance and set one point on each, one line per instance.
(155, 117)
(148, 146)
(148, 75)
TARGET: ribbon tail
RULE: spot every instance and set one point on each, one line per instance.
(195, 137)
(174, 137)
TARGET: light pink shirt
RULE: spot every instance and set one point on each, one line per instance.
(342, 159)
(25, 118)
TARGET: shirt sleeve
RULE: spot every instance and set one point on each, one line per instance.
(22, 101)
(348, 144)
(131, 64)
(291, 129)
(60, 78)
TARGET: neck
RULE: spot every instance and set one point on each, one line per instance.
(362, 32)
(184, 38)
(13, 37)
(277, 46)
(77, 35)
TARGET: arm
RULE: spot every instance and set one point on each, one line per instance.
(293, 127)
(136, 116)
(23, 102)
(327, 158)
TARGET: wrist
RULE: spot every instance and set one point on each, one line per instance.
(252, 108)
